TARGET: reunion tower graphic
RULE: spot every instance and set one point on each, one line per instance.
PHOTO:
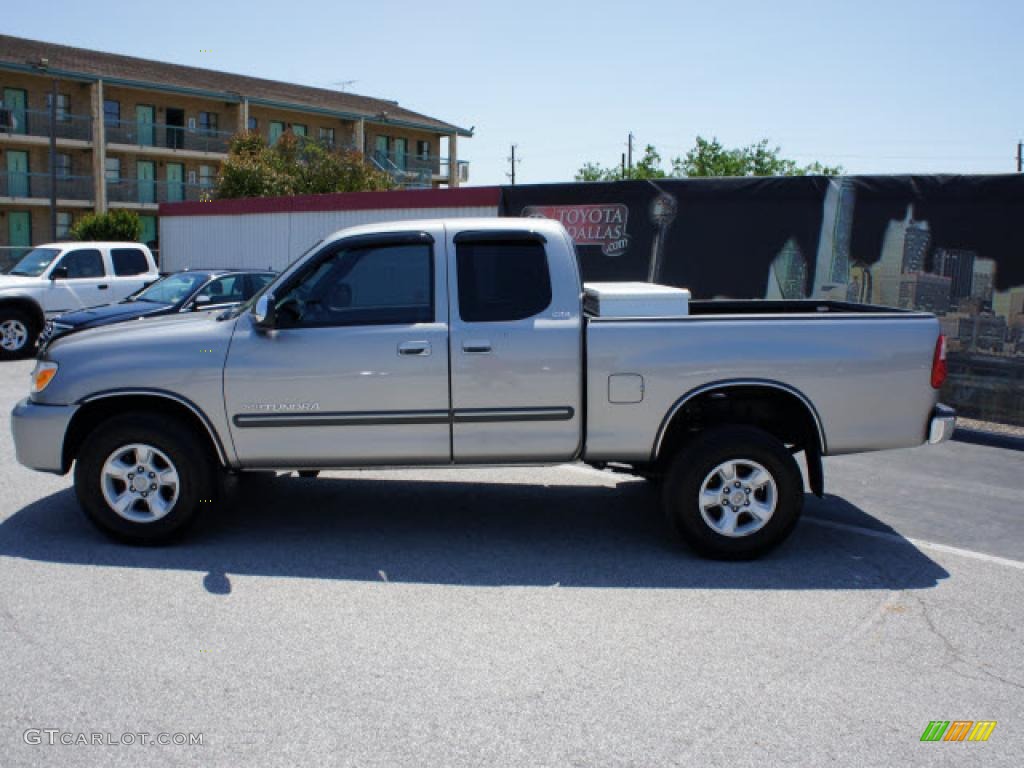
(663, 212)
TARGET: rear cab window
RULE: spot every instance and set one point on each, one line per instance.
(129, 261)
(502, 281)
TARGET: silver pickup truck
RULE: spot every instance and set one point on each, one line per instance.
(467, 342)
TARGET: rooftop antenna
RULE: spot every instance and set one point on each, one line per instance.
(343, 85)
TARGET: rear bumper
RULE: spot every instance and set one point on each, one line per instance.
(39, 432)
(942, 424)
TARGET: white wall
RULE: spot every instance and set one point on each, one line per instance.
(274, 240)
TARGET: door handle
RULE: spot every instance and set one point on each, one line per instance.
(476, 347)
(421, 348)
(103, 287)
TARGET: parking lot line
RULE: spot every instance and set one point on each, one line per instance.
(895, 538)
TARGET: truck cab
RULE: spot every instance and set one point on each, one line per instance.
(55, 278)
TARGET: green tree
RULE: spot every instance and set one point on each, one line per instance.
(710, 158)
(294, 166)
(647, 167)
(119, 226)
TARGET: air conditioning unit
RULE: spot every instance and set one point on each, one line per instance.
(191, 123)
(191, 177)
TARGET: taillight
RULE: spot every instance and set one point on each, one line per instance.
(939, 363)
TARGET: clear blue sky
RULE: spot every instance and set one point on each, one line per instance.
(878, 87)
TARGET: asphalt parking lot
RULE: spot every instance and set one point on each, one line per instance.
(532, 617)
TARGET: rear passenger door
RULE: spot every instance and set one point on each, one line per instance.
(515, 349)
(131, 272)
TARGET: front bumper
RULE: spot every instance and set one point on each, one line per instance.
(39, 432)
(942, 424)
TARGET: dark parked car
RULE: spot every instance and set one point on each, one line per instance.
(192, 291)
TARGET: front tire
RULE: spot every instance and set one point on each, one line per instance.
(141, 477)
(18, 334)
(733, 493)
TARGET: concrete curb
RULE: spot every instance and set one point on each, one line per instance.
(991, 439)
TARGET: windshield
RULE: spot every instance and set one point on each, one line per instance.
(35, 262)
(171, 289)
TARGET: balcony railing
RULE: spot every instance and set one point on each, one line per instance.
(142, 134)
(34, 122)
(152, 192)
(418, 170)
(37, 185)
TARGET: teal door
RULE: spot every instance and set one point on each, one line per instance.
(401, 152)
(145, 175)
(382, 148)
(15, 100)
(276, 129)
(17, 173)
(148, 229)
(144, 125)
(175, 182)
(19, 233)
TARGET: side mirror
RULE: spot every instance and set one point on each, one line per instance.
(264, 314)
(59, 273)
(201, 301)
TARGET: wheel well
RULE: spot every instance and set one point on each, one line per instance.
(777, 411)
(29, 307)
(93, 413)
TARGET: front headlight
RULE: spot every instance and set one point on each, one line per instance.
(43, 374)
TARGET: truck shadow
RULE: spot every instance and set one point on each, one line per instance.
(473, 534)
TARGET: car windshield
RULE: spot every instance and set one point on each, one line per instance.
(35, 262)
(171, 289)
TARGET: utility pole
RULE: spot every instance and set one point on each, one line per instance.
(623, 165)
(53, 163)
(512, 160)
(629, 153)
(1020, 157)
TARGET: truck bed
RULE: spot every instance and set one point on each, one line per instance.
(830, 354)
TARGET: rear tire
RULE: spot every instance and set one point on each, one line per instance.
(178, 476)
(733, 493)
(18, 334)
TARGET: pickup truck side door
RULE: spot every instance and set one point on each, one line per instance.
(515, 345)
(86, 285)
(355, 370)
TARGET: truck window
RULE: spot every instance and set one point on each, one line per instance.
(502, 281)
(385, 285)
(85, 262)
(129, 261)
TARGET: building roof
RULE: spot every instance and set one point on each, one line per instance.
(23, 54)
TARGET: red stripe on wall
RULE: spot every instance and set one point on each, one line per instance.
(462, 197)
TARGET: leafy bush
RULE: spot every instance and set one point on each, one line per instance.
(119, 225)
(293, 166)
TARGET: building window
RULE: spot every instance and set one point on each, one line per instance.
(62, 165)
(63, 106)
(112, 169)
(298, 129)
(111, 111)
(208, 123)
(276, 129)
(63, 224)
(327, 136)
(253, 124)
(207, 175)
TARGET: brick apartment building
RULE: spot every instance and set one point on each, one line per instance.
(132, 133)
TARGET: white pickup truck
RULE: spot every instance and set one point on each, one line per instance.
(63, 277)
(468, 342)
